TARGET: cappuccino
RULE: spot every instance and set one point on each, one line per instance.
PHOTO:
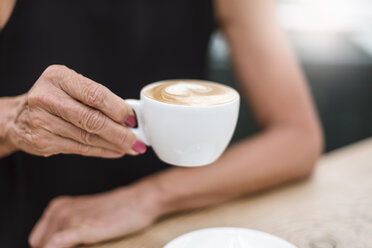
(191, 92)
(187, 122)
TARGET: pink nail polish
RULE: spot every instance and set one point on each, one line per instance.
(130, 121)
(139, 147)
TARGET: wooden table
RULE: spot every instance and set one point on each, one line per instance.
(332, 209)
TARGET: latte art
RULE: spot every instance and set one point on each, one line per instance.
(191, 92)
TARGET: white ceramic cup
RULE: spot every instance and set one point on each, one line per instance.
(184, 135)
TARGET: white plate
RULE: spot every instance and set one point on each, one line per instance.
(228, 237)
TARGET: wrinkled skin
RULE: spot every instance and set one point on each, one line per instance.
(64, 112)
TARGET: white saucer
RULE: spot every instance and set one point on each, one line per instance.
(228, 237)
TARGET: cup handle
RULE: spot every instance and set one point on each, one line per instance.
(138, 132)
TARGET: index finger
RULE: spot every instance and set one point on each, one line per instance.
(89, 92)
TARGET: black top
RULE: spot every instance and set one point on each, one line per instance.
(121, 44)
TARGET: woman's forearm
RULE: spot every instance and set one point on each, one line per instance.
(8, 111)
(6, 8)
(275, 156)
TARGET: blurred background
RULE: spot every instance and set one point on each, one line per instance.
(333, 41)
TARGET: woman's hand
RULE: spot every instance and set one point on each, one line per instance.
(65, 112)
(69, 221)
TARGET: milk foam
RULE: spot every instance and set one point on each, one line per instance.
(191, 92)
(183, 88)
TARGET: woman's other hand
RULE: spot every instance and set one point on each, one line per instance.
(69, 221)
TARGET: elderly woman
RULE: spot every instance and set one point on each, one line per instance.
(65, 175)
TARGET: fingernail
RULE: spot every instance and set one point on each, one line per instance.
(130, 121)
(139, 147)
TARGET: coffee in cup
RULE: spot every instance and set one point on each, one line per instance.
(191, 93)
(187, 122)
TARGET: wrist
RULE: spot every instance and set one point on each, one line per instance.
(10, 107)
(150, 196)
(164, 193)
